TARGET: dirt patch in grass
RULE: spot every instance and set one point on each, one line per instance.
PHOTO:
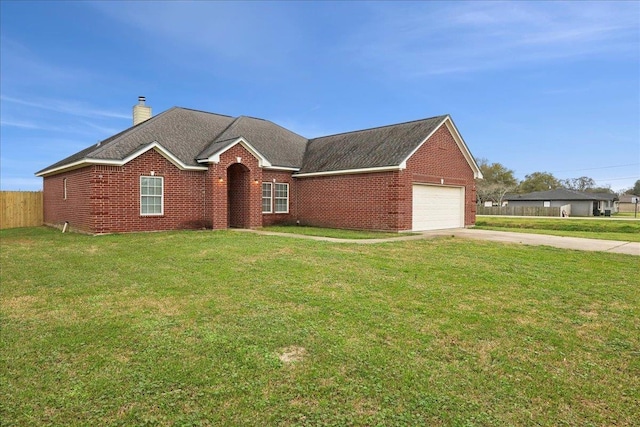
(164, 307)
(19, 304)
(292, 354)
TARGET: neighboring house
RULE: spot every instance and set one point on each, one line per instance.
(574, 203)
(628, 203)
(187, 169)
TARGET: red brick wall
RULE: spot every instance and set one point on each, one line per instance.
(76, 209)
(438, 161)
(106, 199)
(116, 196)
(356, 201)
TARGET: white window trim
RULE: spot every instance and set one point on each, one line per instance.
(270, 197)
(161, 196)
(64, 188)
(275, 208)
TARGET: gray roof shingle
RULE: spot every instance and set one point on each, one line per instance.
(369, 148)
(192, 135)
(279, 145)
(181, 131)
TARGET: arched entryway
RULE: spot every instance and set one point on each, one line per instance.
(238, 195)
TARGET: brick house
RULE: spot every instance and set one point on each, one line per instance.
(188, 169)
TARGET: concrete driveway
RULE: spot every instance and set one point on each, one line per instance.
(576, 243)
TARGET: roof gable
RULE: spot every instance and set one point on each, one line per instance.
(386, 147)
(179, 131)
(280, 146)
(223, 146)
(369, 148)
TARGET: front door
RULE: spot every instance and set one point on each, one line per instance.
(238, 189)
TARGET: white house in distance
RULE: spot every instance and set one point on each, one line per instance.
(574, 203)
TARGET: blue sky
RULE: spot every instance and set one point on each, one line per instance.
(537, 86)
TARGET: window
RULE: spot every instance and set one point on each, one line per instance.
(281, 198)
(546, 204)
(266, 197)
(151, 195)
(64, 188)
(275, 197)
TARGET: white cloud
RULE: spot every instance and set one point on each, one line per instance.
(24, 124)
(103, 130)
(436, 38)
(73, 108)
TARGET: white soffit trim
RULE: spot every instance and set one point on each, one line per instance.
(459, 142)
(215, 158)
(154, 145)
(351, 171)
(282, 168)
(70, 166)
(165, 153)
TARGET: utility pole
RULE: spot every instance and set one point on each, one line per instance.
(635, 200)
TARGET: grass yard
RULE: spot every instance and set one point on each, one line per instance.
(333, 232)
(635, 215)
(227, 328)
(594, 228)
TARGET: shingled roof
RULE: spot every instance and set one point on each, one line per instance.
(281, 146)
(182, 132)
(191, 138)
(369, 148)
(560, 194)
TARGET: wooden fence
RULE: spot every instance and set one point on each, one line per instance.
(518, 211)
(21, 209)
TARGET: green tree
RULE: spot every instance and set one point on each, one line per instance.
(497, 181)
(538, 181)
(606, 189)
(635, 190)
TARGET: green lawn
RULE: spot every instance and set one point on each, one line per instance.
(595, 228)
(332, 232)
(228, 328)
(635, 215)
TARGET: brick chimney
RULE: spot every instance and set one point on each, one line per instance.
(141, 112)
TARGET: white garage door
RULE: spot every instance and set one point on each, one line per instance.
(437, 207)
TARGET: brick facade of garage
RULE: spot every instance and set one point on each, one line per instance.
(383, 200)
